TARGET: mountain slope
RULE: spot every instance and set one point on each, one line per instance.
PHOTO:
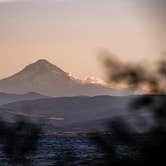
(46, 78)
(69, 113)
(6, 98)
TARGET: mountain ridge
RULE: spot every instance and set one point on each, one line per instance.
(6, 98)
(46, 78)
(79, 113)
(38, 66)
(75, 114)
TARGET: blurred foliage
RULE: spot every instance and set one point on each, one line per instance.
(136, 75)
(20, 139)
(153, 149)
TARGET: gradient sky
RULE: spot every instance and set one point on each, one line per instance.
(70, 33)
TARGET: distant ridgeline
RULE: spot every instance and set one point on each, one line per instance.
(76, 114)
(45, 78)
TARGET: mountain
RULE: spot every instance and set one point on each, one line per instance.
(69, 113)
(6, 98)
(46, 78)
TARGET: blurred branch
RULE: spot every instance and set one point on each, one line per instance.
(20, 138)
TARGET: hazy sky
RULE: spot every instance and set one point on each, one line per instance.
(70, 33)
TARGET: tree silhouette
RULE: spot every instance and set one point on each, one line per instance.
(151, 150)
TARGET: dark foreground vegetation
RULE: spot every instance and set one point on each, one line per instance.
(149, 112)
